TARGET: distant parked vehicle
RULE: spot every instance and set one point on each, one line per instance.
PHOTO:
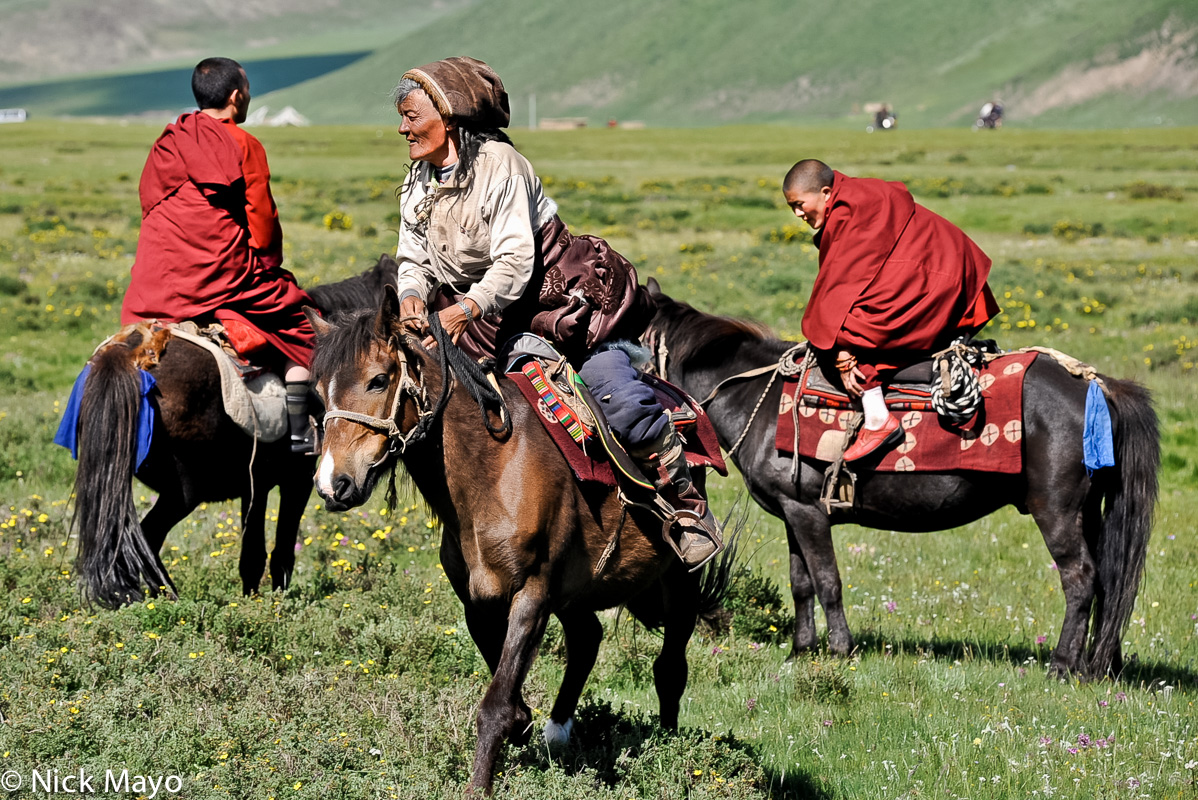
(989, 117)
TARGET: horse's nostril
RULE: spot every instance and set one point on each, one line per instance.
(343, 487)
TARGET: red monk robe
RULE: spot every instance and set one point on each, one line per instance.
(896, 281)
(210, 245)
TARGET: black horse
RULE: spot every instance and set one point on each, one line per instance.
(198, 454)
(1096, 528)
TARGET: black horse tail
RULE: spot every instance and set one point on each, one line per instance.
(1129, 500)
(114, 560)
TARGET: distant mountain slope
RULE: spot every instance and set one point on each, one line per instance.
(42, 39)
(702, 62)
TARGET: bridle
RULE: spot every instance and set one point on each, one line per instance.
(398, 440)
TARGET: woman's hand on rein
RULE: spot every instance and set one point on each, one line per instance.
(454, 320)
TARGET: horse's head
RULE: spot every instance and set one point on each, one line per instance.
(371, 376)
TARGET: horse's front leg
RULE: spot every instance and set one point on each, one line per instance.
(812, 535)
(294, 492)
(503, 712)
(680, 597)
(802, 589)
(253, 540)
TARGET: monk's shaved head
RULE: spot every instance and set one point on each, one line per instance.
(809, 175)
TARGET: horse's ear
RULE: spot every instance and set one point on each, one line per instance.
(387, 322)
(314, 319)
(654, 287)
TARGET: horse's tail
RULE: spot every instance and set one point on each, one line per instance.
(1129, 497)
(114, 559)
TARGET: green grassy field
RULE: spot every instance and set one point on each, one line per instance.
(360, 681)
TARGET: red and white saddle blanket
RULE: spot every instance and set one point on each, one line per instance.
(990, 442)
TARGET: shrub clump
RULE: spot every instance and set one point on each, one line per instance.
(758, 608)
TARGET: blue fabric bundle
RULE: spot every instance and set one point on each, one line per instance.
(68, 429)
(1098, 443)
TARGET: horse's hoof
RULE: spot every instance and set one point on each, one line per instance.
(521, 730)
(557, 736)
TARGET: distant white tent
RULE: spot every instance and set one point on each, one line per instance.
(13, 115)
(258, 117)
(288, 116)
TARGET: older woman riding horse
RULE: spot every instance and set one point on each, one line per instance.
(522, 538)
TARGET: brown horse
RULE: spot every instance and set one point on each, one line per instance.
(522, 539)
(1096, 528)
(197, 454)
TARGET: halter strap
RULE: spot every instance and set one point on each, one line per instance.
(387, 425)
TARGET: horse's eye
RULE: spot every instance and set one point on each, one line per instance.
(378, 383)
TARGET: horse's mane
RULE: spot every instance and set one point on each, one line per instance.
(693, 331)
(359, 292)
(348, 341)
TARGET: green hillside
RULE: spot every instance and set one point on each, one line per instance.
(700, 62)
(1065, 63)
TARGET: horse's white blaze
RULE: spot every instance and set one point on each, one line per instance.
(324, 478)
(558, 735)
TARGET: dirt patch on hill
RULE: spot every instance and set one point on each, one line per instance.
(1168, 62)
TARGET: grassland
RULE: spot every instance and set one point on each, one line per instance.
(361, 682)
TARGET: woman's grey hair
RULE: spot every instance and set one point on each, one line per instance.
(402, 89)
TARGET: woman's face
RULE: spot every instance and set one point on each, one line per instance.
(429, 138)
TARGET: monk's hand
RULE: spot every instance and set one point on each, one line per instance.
(850, 373)
(411, 311)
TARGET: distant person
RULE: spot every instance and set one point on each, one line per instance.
(990, 116)
(896, 283)
(884, 119)
(211, 247)
(481, 246)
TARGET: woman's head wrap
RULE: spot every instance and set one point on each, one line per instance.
(465, 89)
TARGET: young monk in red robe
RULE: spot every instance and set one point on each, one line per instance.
(211, 246)
(896, 283)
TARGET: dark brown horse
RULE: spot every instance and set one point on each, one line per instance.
(1096, 528)
(522, 539)
(198, 454)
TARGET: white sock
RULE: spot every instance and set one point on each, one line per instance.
(876, 412)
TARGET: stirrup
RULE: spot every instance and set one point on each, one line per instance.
(695, 538)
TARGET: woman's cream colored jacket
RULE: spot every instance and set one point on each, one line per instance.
(479, 237)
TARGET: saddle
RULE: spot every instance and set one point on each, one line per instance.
(254, 398)
(577, 425)
(910, 390)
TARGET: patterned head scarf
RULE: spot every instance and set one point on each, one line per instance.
(465, 89)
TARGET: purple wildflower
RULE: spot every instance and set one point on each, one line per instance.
(751, 703)
(827, 723)
(1083, 741)
(1041, 639)
(891, 606)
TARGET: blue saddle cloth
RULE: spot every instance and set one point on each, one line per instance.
(68, 429)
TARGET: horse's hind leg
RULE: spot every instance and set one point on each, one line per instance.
(583, 633)
(168, 511)
(503, 712)
(680, 598)
(1063, 532)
